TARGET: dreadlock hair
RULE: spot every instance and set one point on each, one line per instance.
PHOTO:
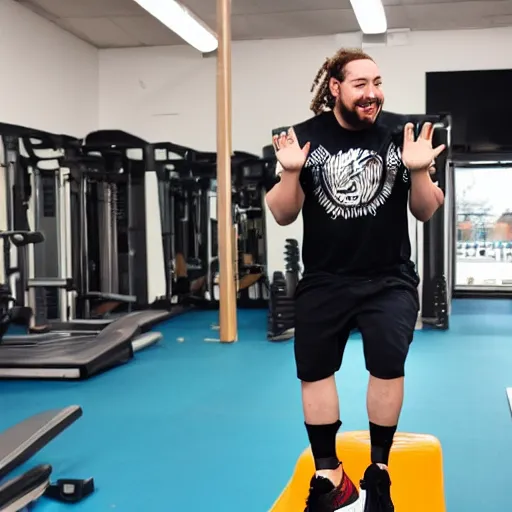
(334, 67)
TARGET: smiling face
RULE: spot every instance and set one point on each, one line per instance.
(358, 94)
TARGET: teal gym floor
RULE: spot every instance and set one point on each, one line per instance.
(193, 424)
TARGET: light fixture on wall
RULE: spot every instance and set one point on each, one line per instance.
(370, 15)
(182, 22)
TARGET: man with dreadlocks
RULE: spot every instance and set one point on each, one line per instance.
(353, 179)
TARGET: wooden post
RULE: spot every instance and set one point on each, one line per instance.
(227, 309)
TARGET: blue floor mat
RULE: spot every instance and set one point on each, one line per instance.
(192, 422)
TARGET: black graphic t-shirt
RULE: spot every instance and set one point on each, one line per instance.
(356, 199)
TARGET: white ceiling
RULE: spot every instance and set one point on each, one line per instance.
(122, 23)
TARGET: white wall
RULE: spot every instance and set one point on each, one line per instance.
(170, 93)
(48, 80)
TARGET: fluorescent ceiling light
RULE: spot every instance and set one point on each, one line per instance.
(370, 16)
(176, 17)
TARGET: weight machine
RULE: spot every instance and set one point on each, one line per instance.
(89, 199)
(188, 198)
(21, 187)
(186, 193)
(113, 210)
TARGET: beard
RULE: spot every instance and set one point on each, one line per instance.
(353, 118)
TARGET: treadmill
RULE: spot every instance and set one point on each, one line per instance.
(75, 356)
(21, 442)
(68, 355)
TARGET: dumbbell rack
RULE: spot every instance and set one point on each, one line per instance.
(281, 314)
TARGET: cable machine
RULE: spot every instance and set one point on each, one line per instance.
(90, 199)
(438, 235)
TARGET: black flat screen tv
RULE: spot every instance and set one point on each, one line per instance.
(480, 105)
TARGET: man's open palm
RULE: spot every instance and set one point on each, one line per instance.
(419, 154)
(288, 151)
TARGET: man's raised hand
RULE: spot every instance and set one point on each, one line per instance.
(288, 151)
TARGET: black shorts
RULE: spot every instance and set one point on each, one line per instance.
(327, 307)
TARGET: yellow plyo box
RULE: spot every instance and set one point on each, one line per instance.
(415, 467)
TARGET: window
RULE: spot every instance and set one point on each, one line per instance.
(483, 227)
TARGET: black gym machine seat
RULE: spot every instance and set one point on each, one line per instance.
(21, 442)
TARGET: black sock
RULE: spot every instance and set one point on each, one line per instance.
(381, 440)
(323, 444)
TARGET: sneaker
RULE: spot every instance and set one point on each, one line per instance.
(325, 497)
(376, 490)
